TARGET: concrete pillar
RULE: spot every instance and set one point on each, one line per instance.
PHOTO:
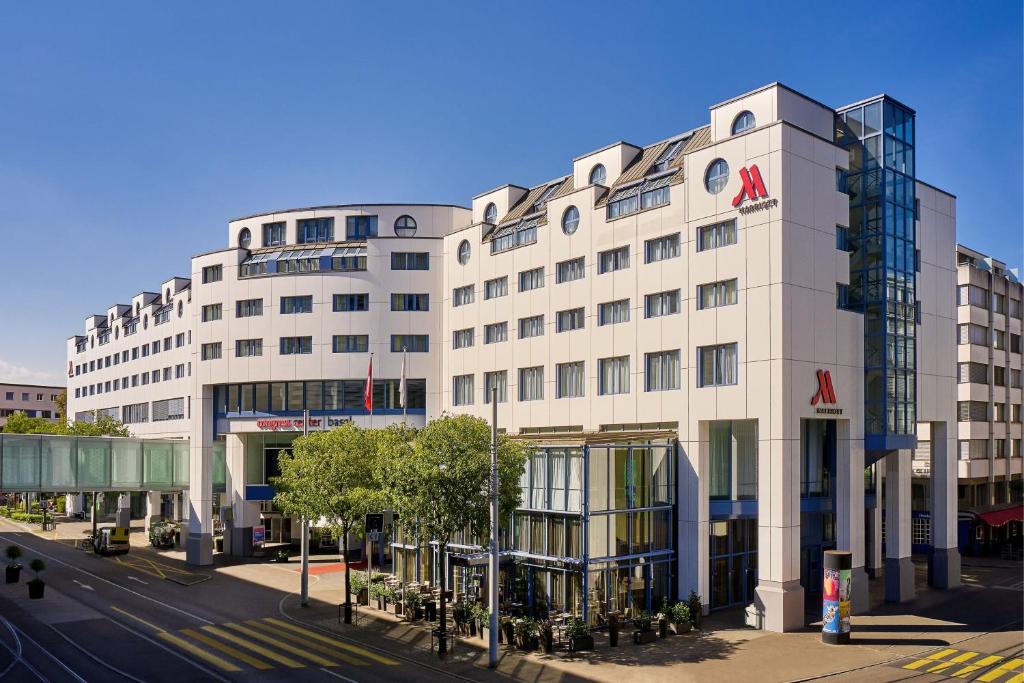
(874, 562)
(176, 506)
(779, 595)
(244, 514)
(153, 501)
(944, 561)
(850, 510)
(199, 546)
(124, 510)
(899, 569)
(74, 504)
(693, 510)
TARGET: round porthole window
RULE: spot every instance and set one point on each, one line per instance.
(405, 226)
(570, 220)
(491, 213)
(597, 175)
(464, 252)
(716, 176)
(244, 238)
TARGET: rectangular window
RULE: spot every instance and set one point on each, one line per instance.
(843, 296)
(972, 411)
(213, 273)
(495, 332)
(462, 295)
(717, 235)
(531, 383)
(612, 260)
(245, 347)
(662, 303)
(248, 308)
(413, 343)
(462, 339)
(1014, 343)
(350, 343)
(211, 312)
(311, 230)
(999, 340)
(662, 371)
(156, 347)
(351, 302)
(998, 303)
(998, 375)
(613, 375)
(209, 351)
(410, 302)
(717, 365)
(360, 227)
(179, 341)
(573, 269)
(496, 380)
(462, 390)
(572, 319)
(531, 279)
(273, 234)
(291, 346)
(613, 312)
(135, 413)
(1015, 379)
(972, 372)
(716, 294)
(169, 409)
(349, 259)
(661, 248)
(179, 370)
(410, 260)
(496, 287)
(972, 295)
(842, 238)
(531, 327)
(296, 304)
(1015, 308)
(972, 334)
(570, 381)
(842, 178)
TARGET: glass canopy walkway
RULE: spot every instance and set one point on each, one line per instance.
(65, 464)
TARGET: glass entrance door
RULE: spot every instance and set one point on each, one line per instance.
(733, 561)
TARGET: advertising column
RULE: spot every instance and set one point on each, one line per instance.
(836, 587)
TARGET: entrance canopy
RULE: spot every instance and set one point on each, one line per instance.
(997, 518)
(41, 462)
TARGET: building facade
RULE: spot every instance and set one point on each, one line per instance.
(34, 400)
(719, 344)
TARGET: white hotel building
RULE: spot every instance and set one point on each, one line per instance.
(718, 342)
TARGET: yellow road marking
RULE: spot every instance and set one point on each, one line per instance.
(978, 664)
(226, 649)
(241, 642)
(270, 640)
(337, 643)
(930, 659)
(959, 659)
(294, 637)
(1006, 667)
(1016, 679)
(138, 619)
(222, 664)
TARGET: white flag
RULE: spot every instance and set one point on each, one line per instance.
(401, 384)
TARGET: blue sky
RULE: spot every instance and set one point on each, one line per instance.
(130, 133)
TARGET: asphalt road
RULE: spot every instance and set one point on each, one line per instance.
(103, 620)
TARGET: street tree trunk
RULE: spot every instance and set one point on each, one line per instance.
(348, 584)
(442, 639)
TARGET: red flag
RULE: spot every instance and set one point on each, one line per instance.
(368, 390)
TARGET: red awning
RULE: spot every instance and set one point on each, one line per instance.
(1001, 517)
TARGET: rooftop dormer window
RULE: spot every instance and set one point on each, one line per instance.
(491, 213)
(666, 158)
(542, 200)
(744, 122)
(598, 175)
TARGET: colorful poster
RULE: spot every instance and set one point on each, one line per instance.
(830, 585)
(845, 588)
(830, 616)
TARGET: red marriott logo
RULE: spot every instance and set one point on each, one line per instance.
(753, 186)
(826, 394)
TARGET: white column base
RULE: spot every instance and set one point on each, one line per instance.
(781, 604)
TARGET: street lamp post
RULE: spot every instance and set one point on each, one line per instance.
(304, 540)
(492, 564)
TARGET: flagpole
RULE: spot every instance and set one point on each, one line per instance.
(369, 381)
(404, 391)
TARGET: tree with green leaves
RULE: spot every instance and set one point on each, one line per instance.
(329, 479)
(104, 425)
(438, 482)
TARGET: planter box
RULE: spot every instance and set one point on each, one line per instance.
(582, 643)
(684, 627)
(641, 637)
(35, 589)
(13, 574)
(363, 598)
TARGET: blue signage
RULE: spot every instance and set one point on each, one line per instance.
(259, 492)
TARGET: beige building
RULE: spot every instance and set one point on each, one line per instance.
(715, 342)
(34, 400)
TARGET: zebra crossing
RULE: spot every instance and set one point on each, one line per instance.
(969, 665)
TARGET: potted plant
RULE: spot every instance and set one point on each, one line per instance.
(281, 555)
(578, 634)
(680, 614)
(663, 625)
(482, 616)
(413, 604)
(696, 609)
(527, 632)
(643, 633)
(613, 630)
(547, 637)
(357, 583)
(36, 585)
(508, 631)
(13, 568)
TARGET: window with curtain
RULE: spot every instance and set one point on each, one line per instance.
(556, 459)
(538, 481)
(613, 312)
(573, 319)
(720, 461)
(497, 380)
(531, 383)
(663, 371)
(744, 434)
(462, 390)
(662, 303)
(573, 269)
(575, 490)
(613, 259)
(661, 248)
(570, 380)
(496, 287)
(716, 294)
(715, 236)
(462, 295)
(717, 365)
(531, 327)
(531, 279)
(495, 332)
(613, 375)
(462, 339)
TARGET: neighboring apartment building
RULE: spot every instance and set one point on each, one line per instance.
(717, 343)
(35, 400)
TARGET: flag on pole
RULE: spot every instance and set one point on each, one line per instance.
(401, 383)
(368, 390)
